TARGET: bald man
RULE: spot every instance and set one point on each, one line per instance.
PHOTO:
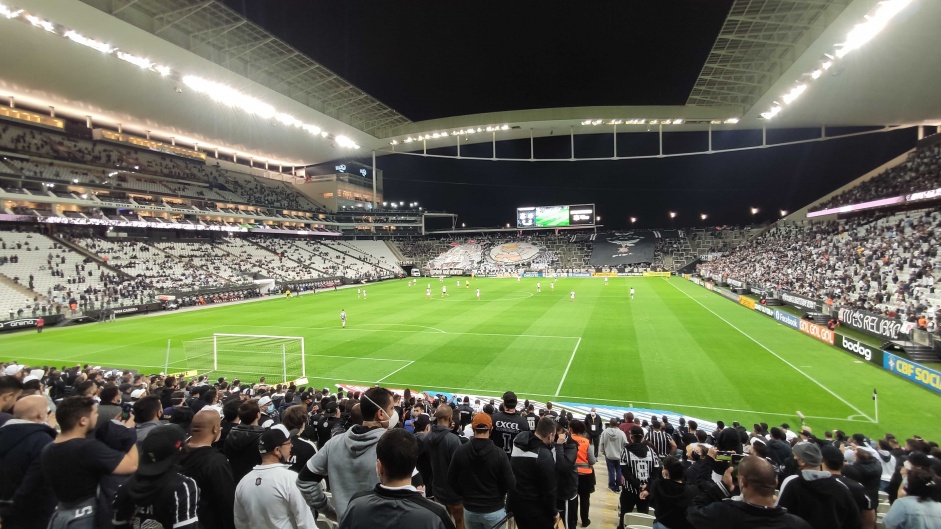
(22, 440)
(211, 471)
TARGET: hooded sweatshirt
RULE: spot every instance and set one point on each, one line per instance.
(480, 476)
(169, 499)
(868, 472)
(820, 499)
(349, 459)
(441, 445)
(534, 468)
(241, 447)
(612, 442)
(640, 465)
(22, 481)
(888, 464)
(670, 500)
(213, 475)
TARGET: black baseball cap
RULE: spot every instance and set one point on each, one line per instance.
(272, 438)
(160, 450)
(509, 399)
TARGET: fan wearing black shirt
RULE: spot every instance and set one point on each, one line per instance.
(507, 424)
(83, 461)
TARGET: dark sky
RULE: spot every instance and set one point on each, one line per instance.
(433, 59)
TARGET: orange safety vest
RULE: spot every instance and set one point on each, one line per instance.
(581, 459)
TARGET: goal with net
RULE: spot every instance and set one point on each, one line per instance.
(277, 358)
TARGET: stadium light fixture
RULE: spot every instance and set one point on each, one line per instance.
(672, 214)
(9, 13)
(463, 225)
(731, 121)
(783, 212)
(633, 220)
(874, 22)
(754, 211)
(703, 216)
(507, 224)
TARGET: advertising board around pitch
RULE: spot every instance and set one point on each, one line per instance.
(917, 373)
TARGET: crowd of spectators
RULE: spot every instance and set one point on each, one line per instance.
(883, 263)
(921, 172)
(158, 451)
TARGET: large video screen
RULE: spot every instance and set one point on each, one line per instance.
(555, 216)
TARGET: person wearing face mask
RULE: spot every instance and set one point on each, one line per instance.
(594, 428)
(349, 458)
(267, 496)
(211, 471)
(269, 414)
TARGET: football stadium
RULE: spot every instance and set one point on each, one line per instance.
(259, 265)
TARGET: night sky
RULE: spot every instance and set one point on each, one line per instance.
(433, 59)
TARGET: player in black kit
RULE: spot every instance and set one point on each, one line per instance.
(507, 424)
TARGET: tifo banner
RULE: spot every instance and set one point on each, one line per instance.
(799, 301)
(917, 373)
(764, 310)
(656, 274)
(875, 324)
(870, 353)
(817, 331)
(514, 252)
(623, 248)
(787, 319)
(747, 302)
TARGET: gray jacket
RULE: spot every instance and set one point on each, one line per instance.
(612, 442)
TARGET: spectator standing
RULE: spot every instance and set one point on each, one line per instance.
(670, 497)
(147, 413)
(507, 424)
(815, 495)
(349, 459)
(156, 495)
(267, 496)
(10, 389)
(584, 463)
(22, 440)
(566, 454)
(481, 476)
(920, 508)
(394, 503)
(866, 467)
(211, 472)
(612, 443)
(593, 426)
(533, 501)
(639, 466)
(661, 442)
(241, 446)
(294, 419)
(441, 445)
(87, 461)
(833, 463)
(756, 509)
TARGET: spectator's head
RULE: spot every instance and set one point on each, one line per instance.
(206, 427)
(672, 469)
(295, 418)
(808, 455)
(832, 458)
(33, 408)
(778, 433)
(249, 412)
(482, 424)
(545, 429)
(274, 445)
(692, 425)
(210, 396)
(443, 414)
(86, 388)
(147, 409)
(110, 395)
(756, 478)
(510, 401)
(637, 434)
(396, 456)
(160, 450)
(77, 414)
(923, 485)
(376, 407)
(578, 428)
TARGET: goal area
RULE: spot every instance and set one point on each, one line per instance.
(277, 358)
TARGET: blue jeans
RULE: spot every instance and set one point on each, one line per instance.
(478, 520)
(614, 473)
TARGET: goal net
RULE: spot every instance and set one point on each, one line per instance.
(277, 358)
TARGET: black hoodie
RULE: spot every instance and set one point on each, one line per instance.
(241, 447)
(480, 475)
(820, 499)
(213, 475)
(639, 465)
(22, 481)
(170, 499)
(534, 468)
(441, 444)
(670, 499)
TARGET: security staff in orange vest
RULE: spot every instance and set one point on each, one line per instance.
(584, 463)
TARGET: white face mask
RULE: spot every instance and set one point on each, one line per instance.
(393, 420)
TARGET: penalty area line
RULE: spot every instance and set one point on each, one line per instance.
(558, 389)
(410, 362)
(779, 357)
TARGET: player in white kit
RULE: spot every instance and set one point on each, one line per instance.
(552, 286)
(444, 291)
(478, 294)
(428, 293)
(632, 292)
(538, 287)
(343, 318)
(572, 296)
(606, 281)
(359, 291)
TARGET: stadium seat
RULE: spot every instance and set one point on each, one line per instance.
(638, 519)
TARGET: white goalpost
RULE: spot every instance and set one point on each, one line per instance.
(278, 358)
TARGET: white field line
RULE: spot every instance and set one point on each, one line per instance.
(779, 357)
(558, 389)
(436, 331)
(410, 362)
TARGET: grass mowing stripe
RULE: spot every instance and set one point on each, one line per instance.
(779, 357)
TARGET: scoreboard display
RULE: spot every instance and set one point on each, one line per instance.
(555, 216)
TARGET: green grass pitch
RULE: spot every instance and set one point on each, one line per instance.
(676, 347)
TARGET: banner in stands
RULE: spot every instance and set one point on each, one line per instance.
(875, 324)
(870, 353)
(917, 373)
(764, 310)
(27, 323)
(735, 283)
(514, 252)
(787, 319)
(656, 274)
(799, 301)
(623, 248)
(123, 311)
(629, 274)
(819, 332)
(747, 302)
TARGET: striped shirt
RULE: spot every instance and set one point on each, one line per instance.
(660, 441)
(641, 469)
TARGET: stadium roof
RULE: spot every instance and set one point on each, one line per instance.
(761, 51)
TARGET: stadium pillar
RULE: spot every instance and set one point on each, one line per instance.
(921, 133)
(710, 137)
(532, 152)
(12, 102)
(572, 141)
(660, 135)
(614, 139)
(120, 129)
(764, 136)
(52, 111)
(374, 178)
(458, 138)
(88, 121)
